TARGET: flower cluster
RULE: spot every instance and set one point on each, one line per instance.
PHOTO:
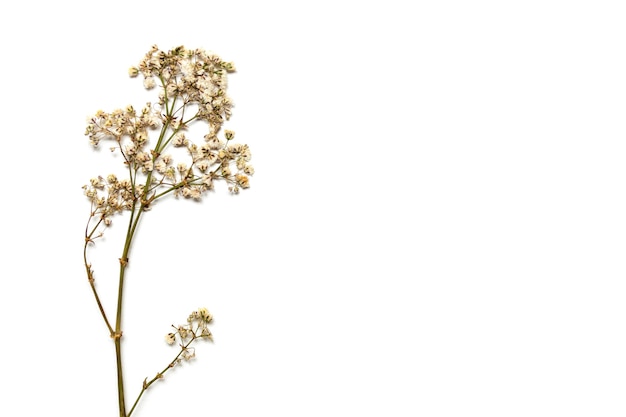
(193, 88)
(194, 76)
(123, 123)
(111, 196)
(196, 328)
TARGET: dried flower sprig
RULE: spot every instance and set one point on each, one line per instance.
(192, 88)
(196, 328)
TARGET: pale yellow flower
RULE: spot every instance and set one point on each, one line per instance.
(205, 315)
(242, 180)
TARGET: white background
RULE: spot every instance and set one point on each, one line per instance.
(436, 226)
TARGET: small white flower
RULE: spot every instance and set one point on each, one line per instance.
(143, 156)
(208, 181)
(149, 83)
(195, 193)
(130, 149)
(179, 140)
(248, 169)
(206, 333)
(160, 166)
(215, 143)
(203, 165)
(97, 183)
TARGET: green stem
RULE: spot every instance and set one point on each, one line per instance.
(120, 377)
(132, 227)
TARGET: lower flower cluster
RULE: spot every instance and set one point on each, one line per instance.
(196, 328)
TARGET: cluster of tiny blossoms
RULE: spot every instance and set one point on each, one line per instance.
(192, 88)
(110, 196)
(196, 328)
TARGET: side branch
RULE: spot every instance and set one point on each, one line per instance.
(159, 375)
(90, 277)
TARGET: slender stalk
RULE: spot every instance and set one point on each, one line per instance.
(132, 227)
(120, 377)
(95, 293)
(90, 278)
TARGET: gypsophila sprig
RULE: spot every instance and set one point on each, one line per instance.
(190, 86)
(183, 336)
